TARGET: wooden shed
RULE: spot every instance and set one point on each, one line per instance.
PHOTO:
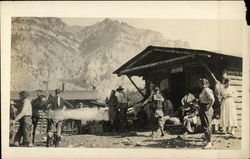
(175, 70)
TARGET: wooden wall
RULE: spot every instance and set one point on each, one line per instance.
(236, 82)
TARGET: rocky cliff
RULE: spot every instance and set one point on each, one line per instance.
(81, 57)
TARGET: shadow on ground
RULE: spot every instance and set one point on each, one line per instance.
(121, 134)
(177, 142)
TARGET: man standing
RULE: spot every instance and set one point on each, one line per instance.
(122, 107)
(55, 125)
(37, 104)
(113, 111)
(24, 119)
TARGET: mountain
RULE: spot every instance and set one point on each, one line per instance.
(81, 57)
(39, 45)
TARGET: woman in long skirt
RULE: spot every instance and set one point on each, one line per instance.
(228, 109)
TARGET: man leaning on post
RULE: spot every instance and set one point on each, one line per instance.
(25, 121)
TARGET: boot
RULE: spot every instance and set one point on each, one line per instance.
(48, 141)
(30, 145)
(208, 145)
(16, 144)
(33, 138)
(162, 132)
(152, 135)
(58, 142)
(54, 139)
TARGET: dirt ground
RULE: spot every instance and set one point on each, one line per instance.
(143, 140)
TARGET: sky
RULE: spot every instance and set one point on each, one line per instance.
(224, 36)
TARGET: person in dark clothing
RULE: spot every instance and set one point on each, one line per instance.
(113, 110)
(55, 125)
(37, 104)
(141, 119)
(156, 107)
(122, 100)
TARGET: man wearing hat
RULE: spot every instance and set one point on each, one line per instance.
(37, 105)
(57, 103)
(122, 107)
(24, 118)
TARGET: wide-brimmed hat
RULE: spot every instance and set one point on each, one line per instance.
(119, 88)
(25, 94)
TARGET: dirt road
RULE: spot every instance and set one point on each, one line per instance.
(143, 140)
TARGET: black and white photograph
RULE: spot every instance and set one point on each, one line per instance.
(105, 82)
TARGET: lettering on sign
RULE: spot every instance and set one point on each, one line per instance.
(176, 70)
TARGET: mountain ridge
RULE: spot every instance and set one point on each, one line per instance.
(47, 49)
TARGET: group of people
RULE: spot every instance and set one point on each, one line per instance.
(29, 116)
(118, 107)
(228, 116)
(192, 108)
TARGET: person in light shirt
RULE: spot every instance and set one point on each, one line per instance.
(206, 99)
(188, 97)
(122, 101)
(24, 118)
(186, 103)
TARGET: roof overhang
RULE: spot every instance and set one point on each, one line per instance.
(156, 64)
(155, 57)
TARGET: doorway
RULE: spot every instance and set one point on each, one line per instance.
(178, 88)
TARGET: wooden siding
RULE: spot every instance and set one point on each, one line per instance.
(235, 78)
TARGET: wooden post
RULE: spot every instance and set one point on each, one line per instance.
(208, 69)
(187, 72)
(136, 103)
(144, 96)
